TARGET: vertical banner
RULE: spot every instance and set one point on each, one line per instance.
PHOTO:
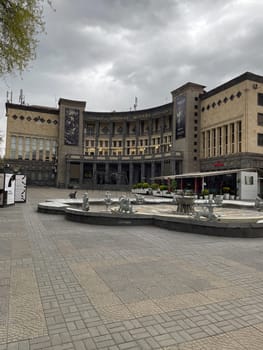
(20, 188)
(10, 188)
(71, 134)
(2, 189)
(180, 105)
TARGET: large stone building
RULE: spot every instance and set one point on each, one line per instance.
(198, 131)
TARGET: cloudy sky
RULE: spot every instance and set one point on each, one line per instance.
(106, 52)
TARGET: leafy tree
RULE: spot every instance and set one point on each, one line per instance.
(20, 23)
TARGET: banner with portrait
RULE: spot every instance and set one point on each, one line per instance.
(71, 133)
(180, 113)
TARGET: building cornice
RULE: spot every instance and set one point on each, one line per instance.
(32, 108)
(233, 82)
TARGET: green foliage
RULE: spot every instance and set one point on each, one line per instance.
(145, 185)
(226, 189)
(20, 23)
(154, 186)
(205, 192)
(163, 187)
(174, 185)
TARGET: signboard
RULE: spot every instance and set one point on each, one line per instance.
(10, 188)
(71, 134)
(180, 105)
(20, 188)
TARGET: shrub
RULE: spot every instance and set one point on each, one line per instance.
(205, 192)
(163, 188)
(145, 185)
(154, 186)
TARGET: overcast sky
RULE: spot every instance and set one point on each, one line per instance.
(106, 52)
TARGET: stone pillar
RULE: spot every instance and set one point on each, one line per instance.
(94, 173)
(130, 173)
(152, 170)
(67, 173)
(81, 173)
(142, 172)
(107, 175)
(162, 168)
(119, 174)
(172, 166)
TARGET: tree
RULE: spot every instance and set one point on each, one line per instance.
(20, 23)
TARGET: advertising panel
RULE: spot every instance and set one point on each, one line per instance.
(2, 189)
(71, 134)
(20, 188)
(180, 105)
(10, 188)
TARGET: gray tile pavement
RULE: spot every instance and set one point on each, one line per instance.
(66, 285)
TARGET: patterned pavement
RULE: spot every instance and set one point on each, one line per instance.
(67, 285)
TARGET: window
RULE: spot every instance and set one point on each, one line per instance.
(34, 148)
(208, 144)
(40, 149)
(214, 141)
(226, 139)
(260, 119)
(20, 147)
(47, 149)
(13, 147)
(232, 131)
(239, 136)
(260, 99)
(260, 139)
(220, 140)
(27, 148)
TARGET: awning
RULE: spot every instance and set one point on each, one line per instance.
(202, 174)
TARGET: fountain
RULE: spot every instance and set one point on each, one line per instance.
(158, 212)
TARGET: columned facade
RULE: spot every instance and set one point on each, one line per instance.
(198, 131)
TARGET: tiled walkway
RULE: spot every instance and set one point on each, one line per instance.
(66, 285)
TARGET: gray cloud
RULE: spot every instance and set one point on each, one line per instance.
(109, 51)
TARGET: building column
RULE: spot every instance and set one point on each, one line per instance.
(80, 173)
(119, 174)
(94, 176)
(67, 173)
(107, 175)
(130, 173)
(162, 168)
(172, 166)
(152, 170)
(142, 172)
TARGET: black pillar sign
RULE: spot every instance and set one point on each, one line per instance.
(180, 112)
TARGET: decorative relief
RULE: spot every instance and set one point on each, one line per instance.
(71, 133)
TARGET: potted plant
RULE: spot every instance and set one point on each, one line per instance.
(226, 192)
(205, 193)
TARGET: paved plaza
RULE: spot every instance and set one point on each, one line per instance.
(66, 285)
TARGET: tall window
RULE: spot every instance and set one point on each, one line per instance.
(260, 139)
(232, 131)
(20, 147)
(260, 119)
(34, 148)
(27, 148)
(47, 149)
(203, 144)
(13, 147)
(54, 150)
(40, 149)
(260, 99)
(226, 139)
(214, 141)
(208, 144)
(220, 140)
(239, 136)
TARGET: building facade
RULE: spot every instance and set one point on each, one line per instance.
(70, 146)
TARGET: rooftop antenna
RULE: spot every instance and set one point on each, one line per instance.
(135, 103)
(9, 100)
(21, 97)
